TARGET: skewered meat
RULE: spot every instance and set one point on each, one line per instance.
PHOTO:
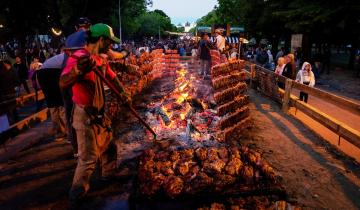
(229, 94)
(253, 157)
(203, 170)
(234, 131)
(226, 81)
(221, 69)
(238, 102)
(247, 173)
(234, 166)
(213, 167)
(194, 170)
(182, 168)
(212, 154)
(201, 182)
(187, 154)
(174, 156)
(234, 153)
(148, 155)
(234, 118)
(157, 181)
(223, 153)
(173, 186)
(201, 153)
(268, 171)
(223, 180)
(162, 155)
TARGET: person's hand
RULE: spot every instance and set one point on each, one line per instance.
(85, 64)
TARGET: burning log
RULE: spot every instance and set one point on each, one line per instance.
(163, 115)
(196, 103)
(238, 102)
(226, 81)
(191, 128)
(234, 118)
(229, 94)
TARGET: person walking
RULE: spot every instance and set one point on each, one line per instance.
(204, 55)
(92, 126)
(305, 76)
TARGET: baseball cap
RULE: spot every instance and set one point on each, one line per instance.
(101, 29)
(83, 22)
(76, 40)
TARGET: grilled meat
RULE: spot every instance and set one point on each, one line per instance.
(173, 186)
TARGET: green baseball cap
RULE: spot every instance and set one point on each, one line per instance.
(101, 29)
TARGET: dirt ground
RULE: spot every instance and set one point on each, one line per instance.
(315, 174)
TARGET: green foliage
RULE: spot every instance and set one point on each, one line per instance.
(152, 22)
(209, 19)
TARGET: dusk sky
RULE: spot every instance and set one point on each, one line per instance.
(181, 11)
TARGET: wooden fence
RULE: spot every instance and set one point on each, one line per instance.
(29, 121)
(267, 82)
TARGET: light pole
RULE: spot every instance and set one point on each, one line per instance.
(120, 22)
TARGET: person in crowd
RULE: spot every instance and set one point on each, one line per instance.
(270, 64)
(83, 23)
(8, 84)
(204, 55)
(233, 52)
(220, 41)
(48, 77)
(75, 41)
(262, 57)
(280, 66)
(181, 50)
(22, 72)
(279, 70)
(305, 76)
(279, 54)
(290, 67)
(34, 67)
(93, 127)
(194, 52)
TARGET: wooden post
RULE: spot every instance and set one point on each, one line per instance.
(286, 100)
(252, 74)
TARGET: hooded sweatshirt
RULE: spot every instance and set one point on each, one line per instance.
(304, 76)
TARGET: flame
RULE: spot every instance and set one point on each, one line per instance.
(182, 87)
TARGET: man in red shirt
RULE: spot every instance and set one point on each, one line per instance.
(93, 128)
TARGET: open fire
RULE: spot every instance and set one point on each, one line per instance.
(182, 114)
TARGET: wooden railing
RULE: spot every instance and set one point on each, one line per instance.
(29, 121)
(341, 129)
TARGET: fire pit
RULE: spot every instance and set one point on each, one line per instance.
(191, 164)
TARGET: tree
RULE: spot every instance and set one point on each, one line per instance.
(152, 23)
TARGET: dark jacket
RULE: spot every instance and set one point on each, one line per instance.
(49, 82)
(21, 71)
(288, 71)
(204, 48)
(8, 82)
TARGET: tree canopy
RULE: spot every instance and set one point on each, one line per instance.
(21, 18)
